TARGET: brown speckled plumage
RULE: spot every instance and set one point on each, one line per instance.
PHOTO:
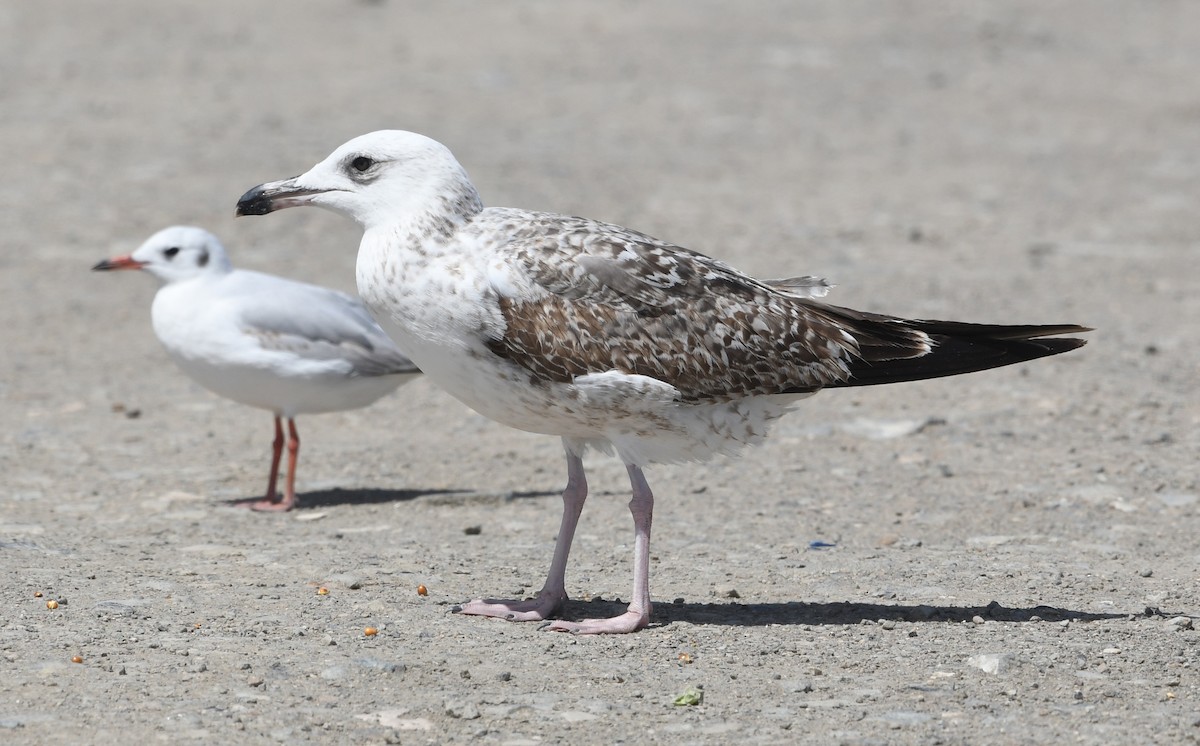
(605, 336)
(614, 299)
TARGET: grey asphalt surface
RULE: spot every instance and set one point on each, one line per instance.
(1012, 554)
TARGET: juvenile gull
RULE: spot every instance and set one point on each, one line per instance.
(264, 341)
(604, 336)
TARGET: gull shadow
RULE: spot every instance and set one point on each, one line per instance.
(845, 613)
(361, 496)
(365, 496)
(517, 495)
(375, 496)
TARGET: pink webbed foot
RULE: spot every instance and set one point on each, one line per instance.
(267, 505)
(543, 607)
(630, 621)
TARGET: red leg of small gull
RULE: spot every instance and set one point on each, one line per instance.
(289, 486)
(549, 601)
(641, 505)
(272, 499)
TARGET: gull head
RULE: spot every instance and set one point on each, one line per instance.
(174, 254)
(376, 179)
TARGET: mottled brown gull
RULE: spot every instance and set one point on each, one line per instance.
(603, 336)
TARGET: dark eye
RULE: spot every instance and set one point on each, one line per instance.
(171, 252)
(361, 163)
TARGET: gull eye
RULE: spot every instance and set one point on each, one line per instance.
(171, 252)
(361, 163)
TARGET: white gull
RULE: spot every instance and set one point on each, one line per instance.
(604, 336)
(271, 343)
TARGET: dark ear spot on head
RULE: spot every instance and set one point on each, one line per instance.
(202, 260)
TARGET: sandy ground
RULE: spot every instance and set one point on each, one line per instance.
(1014, 553)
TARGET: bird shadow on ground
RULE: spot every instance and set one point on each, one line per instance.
(362, 496)
(365, 496)
(822, 614)
(375, 496)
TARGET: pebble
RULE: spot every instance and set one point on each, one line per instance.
(1179, 623)
(727, 591)
(1095, 494)
(994, 540)
(395, 719)
(992, 663)
(381, 665)
(904, 717)
(909, 543)
(462, 710)
(873, 429)
(353, 582)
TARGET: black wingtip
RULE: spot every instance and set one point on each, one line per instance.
(960, 348)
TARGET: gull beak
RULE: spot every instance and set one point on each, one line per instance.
(275, 195)
(118, 262)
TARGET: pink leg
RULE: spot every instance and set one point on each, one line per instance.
(637, 616)
(271, 499)
(549, 601)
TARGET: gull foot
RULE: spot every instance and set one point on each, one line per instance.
(267, 505)
(630, 621)
(537, 609)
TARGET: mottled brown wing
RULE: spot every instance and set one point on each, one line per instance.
(612, 299)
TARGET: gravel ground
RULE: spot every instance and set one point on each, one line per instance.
(1011, 555)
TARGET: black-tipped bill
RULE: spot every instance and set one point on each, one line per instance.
(118, 262)
(276, 195)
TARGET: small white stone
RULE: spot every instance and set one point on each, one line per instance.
(992, 663)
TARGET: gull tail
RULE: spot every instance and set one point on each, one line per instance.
(897, 350)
